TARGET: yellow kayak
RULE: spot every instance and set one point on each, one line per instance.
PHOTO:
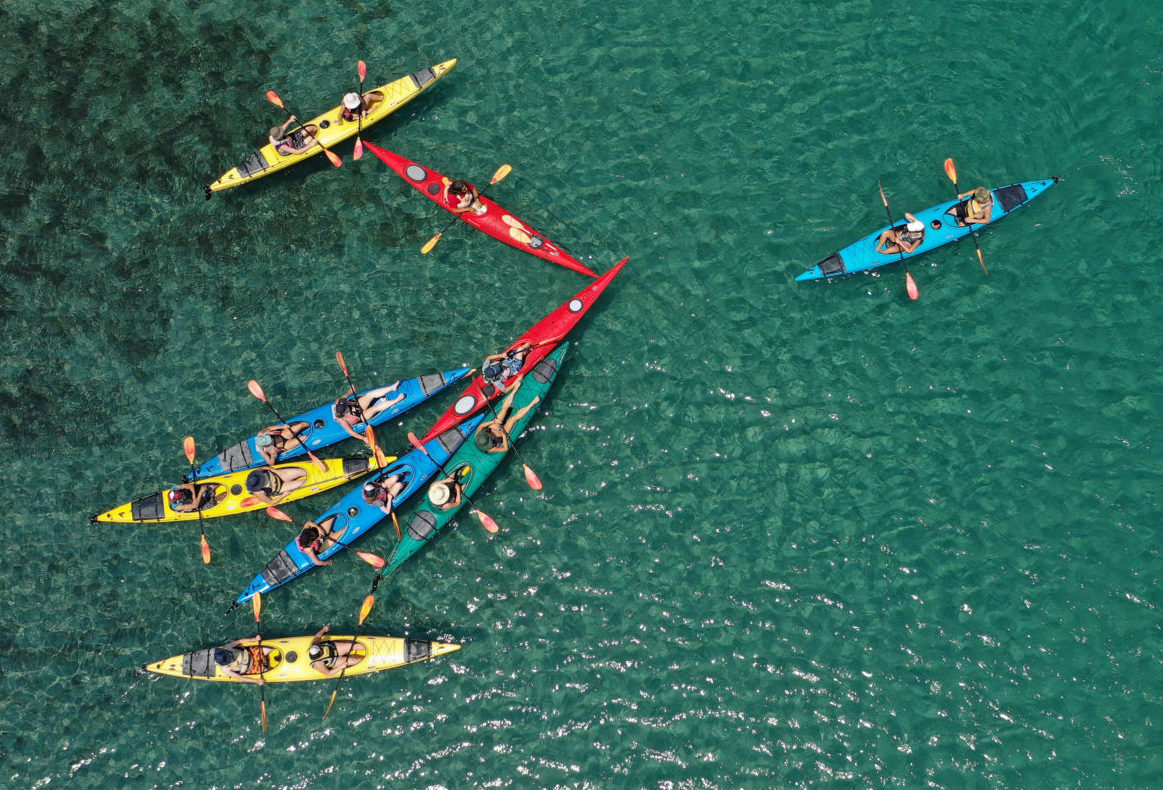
(330, 129)
(289, 659)
(233, 492)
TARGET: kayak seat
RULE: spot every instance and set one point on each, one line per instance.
(354, 465)
(147, 508)
(237, 457)
(280, 570)
(1011, 197)
(831, 265)
(255, 163)
(199, 664)
(431, 383)
(416, 649)
(423, 77)
(545, 370)
(422, 525)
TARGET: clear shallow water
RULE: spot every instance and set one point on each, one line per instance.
(791, 535)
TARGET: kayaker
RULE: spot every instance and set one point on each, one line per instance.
(296, 142)
(461, 196)
(975, 211)
(382, 492)
(350, 410)
(494, 435)
(447, 493)
(332, 656)
(317, 538)
(498, 369)
(270, 484)
(274, 440)
(356, 106)
(898, 239)
(244, 662)
(184, 498)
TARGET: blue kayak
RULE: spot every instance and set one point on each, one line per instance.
(355, 516)
(941, 227)
(322, 428)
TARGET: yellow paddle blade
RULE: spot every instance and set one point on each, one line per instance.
(264, 715)
(427, 248)
(982, 261)
(502, 171)
(256, 604)
(189, 449)
(329, 704)
(205, 551)
(365, 610)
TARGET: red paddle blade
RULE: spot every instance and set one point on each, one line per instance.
(911, 287)
(365, 610)
(532, 479)
(487, 521)
(358, 152)
(373, 560)
(980, 258)
(416, 442)
(189, 449)
(279, 515)
(256, 390)
(264, 715)
(362, 69)
(256, 604)
(341, 361)
(951, 170)
(333, 157)
(274, 99)
(205, 551)
(883, 199)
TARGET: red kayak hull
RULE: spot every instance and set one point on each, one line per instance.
(554, 326)
(495, 221)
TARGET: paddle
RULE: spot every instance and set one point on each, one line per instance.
(371, 436)
(274, 99)
(256, 391)
(189, 448)
(910, 285)
(484, 517)
(502, 171)
(256, 603)
(530, 476)
(362, 68)
(279, 515)
(951, 171)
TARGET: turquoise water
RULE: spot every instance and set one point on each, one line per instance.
(792, 534)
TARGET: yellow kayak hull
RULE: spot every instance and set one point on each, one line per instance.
(332, 128)
(234, 496)
(289, 662)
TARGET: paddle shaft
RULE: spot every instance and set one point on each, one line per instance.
(480, 194)
(910, 286)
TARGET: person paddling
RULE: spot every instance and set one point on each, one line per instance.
(269, 484)
(461, 196)
(494, 436)
(351, 409)
(331, 656)
(382, 492)
(977, 210)
(188, 498)
(296, 142)
(246, 663)
(317, 538)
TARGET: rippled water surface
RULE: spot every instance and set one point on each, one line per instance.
(792, 534)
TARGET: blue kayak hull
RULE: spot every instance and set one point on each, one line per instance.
(324, 430)
(941, 228)
(355, 516)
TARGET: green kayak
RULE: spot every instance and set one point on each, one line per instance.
(471, 465)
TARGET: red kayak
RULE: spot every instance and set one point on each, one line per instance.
(542, 338)
(494, 220)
